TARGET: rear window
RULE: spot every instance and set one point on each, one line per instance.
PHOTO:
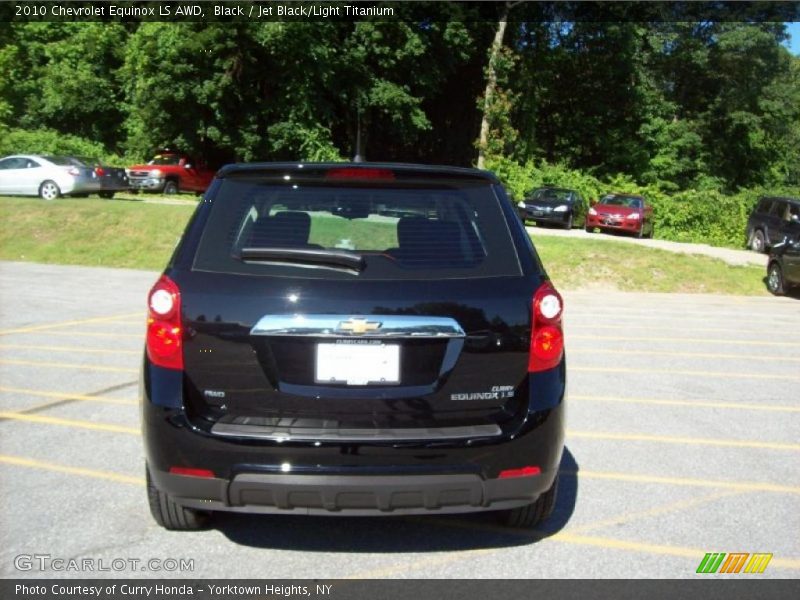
(764, 205)
(408, 229)
(778, 208)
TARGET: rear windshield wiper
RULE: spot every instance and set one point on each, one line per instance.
(306, 257)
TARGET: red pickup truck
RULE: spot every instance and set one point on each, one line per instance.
(170, 172)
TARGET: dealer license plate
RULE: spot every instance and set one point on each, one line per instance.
(358, 363)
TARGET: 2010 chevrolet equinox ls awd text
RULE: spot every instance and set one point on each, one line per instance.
(353, 339)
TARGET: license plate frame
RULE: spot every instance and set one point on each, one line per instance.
(357, 364)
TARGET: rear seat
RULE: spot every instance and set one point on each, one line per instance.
(429, 243)
(287, 229)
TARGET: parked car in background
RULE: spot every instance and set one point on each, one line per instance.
(112, 179)
(773, 219)
(339, 361)
(627, 213)
(783, 267)
(170, 173)
(554, 205)
(46, 176)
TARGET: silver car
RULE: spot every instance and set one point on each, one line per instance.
(45, 176)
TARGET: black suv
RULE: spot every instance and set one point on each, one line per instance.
(554, 205)
(773, 220)
(309, 351)
(783, 266)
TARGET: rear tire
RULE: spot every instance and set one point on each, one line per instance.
(775, 282)
(49, 190)
(530, 515)
(171, 187)
(589, 229)
(171, 515)
(106, 195)
(758, 242)
(568, 224)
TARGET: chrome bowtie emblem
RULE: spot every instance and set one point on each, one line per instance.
(358, 326)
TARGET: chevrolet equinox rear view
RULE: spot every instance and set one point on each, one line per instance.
(353, 339)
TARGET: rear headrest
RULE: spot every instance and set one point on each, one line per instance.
(284, 229)
(431, 241)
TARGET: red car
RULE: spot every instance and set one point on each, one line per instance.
(170, 173)
(622, 212)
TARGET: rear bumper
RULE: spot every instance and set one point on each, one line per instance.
(352, 495)
(352, 478)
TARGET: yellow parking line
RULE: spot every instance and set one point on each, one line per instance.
(725, 374)
(688, 403)
(645, 548)
(655, 511)
(627, 338)
(638, 437)
(626, 327)
(741, 486)
(68, 422)
(70, 349)
(68, 323)
(566, 537)
(744, 316)
(20, 461)
(35, 363)
(139, 336)
(66, 396)
(684, 354)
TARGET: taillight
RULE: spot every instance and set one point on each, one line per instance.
(99, 171)
(360, 173)
(528, 471)
(191, 472)
(164, 328)
(547, 336)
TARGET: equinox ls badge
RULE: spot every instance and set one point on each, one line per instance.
(358, 326)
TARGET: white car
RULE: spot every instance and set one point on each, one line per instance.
(46, 176)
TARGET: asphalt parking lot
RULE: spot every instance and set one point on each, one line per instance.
(683, 439)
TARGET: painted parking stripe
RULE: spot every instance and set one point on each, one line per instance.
(57, 365)
(68, 323)
(565, 537)
(67, 396)
(741, 486)
(20, 461)
(46, 420)
(687, 403)
(682, 340)
(82, 333)
(720, 356)
(646, 548)
(724, 374)
(664, 439)
(711, 313)
(732, 329)
(70, 349)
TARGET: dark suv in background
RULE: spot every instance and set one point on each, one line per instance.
(309, 351)
(559, 206)
(772, 221)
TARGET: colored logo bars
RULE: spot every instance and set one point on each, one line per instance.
(716, 562)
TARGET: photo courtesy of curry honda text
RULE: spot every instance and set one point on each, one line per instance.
(353, 339)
